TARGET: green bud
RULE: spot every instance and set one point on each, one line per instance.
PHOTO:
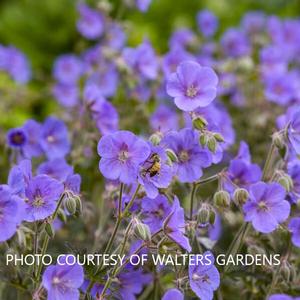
(71, 205)
(222, 199)
(155, 139)
(199, 123)
(240, 196)
(278, 140)
(212, 144)
(286, 181)
(78, 204)
(49, 230)
(142, 231)
(285, 270)
(219, 137)
(212, 217)
(203, 214)
(203, 140)
(62, 216)
(172, 156)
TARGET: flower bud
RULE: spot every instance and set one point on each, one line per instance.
(212, 144)
(286, 271)
(155, 138)
(203, 214)
(49, 230)
(203, 140)
(172, 156)
(212, 217)
(78, 205)
(240, 196)
(142, 231)
(278, 140)
(62, 216)
(222, 199)
(199, 123)
(286, 181)
(70, 205)
(219, 137)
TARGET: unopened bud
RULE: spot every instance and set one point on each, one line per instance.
(203, 140)
(212, 144)
(199, 123)
(203, 215)
(222, 199)
(172, 156)
(285, 271)
(286, 182)
(49, 230)
(142, 231)
(155, 138)
(240, 196)
(62, 216)
(219, 137)
(212, 217)
(78, 204)
(70, 205)
(278, 140)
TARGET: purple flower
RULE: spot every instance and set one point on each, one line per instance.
(11, 213)
(294, 227)
(181, 38)
(131, 282)
(16, 138)
(254, 22)
(294, 132)
(173, 294)
(55, 141)
(56, 168)
(266, 207)
(174, 226)
(204, 278)
(191, 157)
(121, 154)
(235, 43)
(115, 36)
(282, 297)
(142, 60)
(63, 281)
(66, 94)
(91, 22)
(143, 5)
(42, 194)
(67, 69)
(33, 130)
(155, 211)
(207, 23)
(164, 119)
(293, 170)
(155, 172)
(192, 86)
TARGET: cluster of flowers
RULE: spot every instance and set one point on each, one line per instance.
(188, 83)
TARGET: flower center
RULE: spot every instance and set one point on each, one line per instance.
(38, 201)
(50, 139)
(56, 280)
(262, 206)
(191, 91)
(184, 156)
(203, 278)
(123, 156)
(18, 139)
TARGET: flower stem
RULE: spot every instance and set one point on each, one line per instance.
(268, 162)
(208, 179)
(194, 189)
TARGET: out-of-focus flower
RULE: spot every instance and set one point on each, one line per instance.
(41, 196)
(282, 297)
(155, 211)
(294, 132)
(182, 38)
(192, 86)
(164, 119)
(207, 23)
(294, 227)
(267, 207)
(254, 22)
(142, 60)
(62, 281)
(121, 154)
(173, 294)
(143, 5)
(204, 278)
(156, 172)
(16, 138)
(54, 138)
(32, 147)
(174, 226)
(91, 22)
(235, 43)
(67, 69)
(115, 36)
(191, 157)
(11, 213)
(66, 94)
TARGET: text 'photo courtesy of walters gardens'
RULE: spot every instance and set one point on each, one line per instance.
(149, 150)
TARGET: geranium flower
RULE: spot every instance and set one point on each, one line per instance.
(294, 227)
(266, 207)
(174, 226)
(42, 194)
(204, 279)
(294, 132)
(192, 86)
(63, 281)
(173, 294)
(11, 213)
(121, 154)
(207, 22)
